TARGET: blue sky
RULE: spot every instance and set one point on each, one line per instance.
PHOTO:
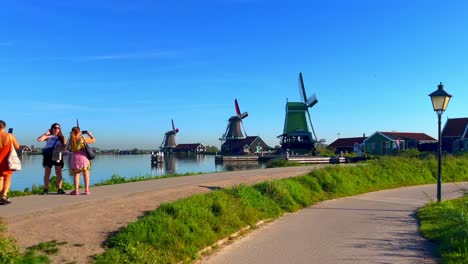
(126, 68)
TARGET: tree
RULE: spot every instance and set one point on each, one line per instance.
(212, 149)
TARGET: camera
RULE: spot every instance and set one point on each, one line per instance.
(84, 132)
(10, 130)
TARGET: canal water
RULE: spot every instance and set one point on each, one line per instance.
(128, 166)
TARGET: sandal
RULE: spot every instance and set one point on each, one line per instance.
(74, 192)
(87, 192)
(5, 200)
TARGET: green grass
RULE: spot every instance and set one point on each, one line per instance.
(35, 189)
(446, 223)
(117, 179)
(176, 232)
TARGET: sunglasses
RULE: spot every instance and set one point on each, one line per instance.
(57, 127)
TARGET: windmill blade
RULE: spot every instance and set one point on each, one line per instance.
(302, 92)
(225, 132)
(164, 140)
(237, 108)
(244, 115)
(312, 126)
(311, 101)
(77, 124)
(243, 128)
(173, 127)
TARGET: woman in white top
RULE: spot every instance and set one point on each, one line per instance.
(54, 140)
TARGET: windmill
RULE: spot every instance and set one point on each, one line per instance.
(233, 130)
(169, 142)
(296, 135)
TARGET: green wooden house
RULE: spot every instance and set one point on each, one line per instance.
(383, 143)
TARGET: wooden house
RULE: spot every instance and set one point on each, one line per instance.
(24, 149)
(190, 148)
(383, 143)
(346, 144)
(248, 145)
(454, 136)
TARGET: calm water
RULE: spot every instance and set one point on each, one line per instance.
(104, 166)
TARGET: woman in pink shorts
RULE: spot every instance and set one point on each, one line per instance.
(79, 163)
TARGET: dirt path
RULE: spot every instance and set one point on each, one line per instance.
(85, 222)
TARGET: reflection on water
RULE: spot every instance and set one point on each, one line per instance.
(104, 166)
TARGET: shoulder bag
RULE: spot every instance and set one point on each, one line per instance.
(89, 152)
(49, 151)
(14, 162)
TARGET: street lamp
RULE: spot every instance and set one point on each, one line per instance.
(440, 100)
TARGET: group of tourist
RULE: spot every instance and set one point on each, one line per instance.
(52, 157)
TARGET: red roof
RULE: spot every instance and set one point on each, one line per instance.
(455, 127)
(347, 142)
(408, 135)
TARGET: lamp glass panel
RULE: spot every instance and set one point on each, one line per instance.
(446, 102)
(438, 102)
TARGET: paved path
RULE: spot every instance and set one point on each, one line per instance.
(85, 222)
(379, 227)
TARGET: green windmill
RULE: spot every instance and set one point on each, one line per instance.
(297, 137)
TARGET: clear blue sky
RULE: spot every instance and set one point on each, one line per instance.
(125, 68)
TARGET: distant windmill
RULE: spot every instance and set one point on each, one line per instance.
(233, 132)
(296, 135)
(233, 129)
(169, 142)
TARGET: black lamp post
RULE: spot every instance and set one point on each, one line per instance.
(440, 100)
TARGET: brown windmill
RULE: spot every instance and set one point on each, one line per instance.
(234, 129)
(169, 141)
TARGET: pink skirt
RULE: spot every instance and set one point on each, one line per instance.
(79, 162)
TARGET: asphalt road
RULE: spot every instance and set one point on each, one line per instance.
(379, 227)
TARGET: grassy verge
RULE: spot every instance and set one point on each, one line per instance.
(37, 189)
(178, 231)
(447, 224)
(115, 179)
